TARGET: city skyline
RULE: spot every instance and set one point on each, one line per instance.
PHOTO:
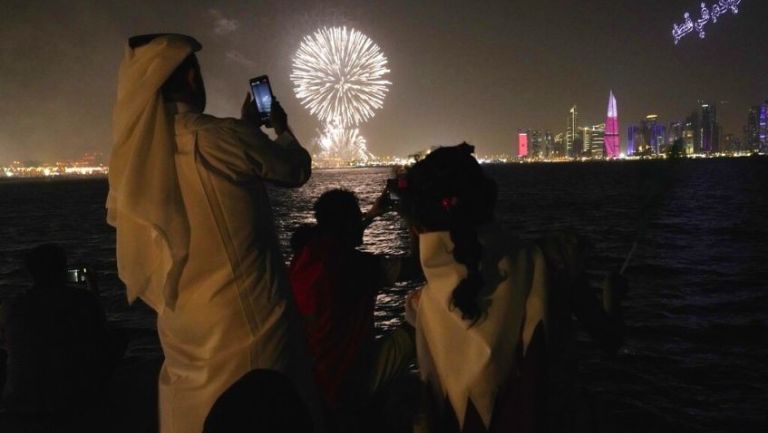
(478, 74)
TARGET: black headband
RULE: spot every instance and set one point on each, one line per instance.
(141, 40)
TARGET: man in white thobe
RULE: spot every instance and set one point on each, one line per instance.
(195, 233)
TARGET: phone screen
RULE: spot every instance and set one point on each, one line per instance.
(262, 95)
(76, 275)
(392, 189)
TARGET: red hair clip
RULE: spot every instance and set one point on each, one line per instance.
(449, 203)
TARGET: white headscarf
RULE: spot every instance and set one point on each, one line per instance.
(144, 202)
(472, 363)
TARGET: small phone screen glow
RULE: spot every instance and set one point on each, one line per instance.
(262, 96)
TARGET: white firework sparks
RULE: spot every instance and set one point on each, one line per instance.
(338, 74)
(345, 144)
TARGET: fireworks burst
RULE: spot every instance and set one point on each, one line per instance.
(338, 74)
(344, 144)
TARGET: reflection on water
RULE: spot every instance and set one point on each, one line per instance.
(695, 358)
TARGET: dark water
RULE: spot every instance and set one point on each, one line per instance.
(696, 357)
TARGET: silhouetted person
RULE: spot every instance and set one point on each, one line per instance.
(493, 322)
(262, 401)
(335, 286)
(56, 340)
(196, 238)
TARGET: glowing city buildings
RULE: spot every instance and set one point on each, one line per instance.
(594, 141)
(570, 134)
(634, 138)
(710, 130)
(522, 144)
(612, 141)
(757, 128)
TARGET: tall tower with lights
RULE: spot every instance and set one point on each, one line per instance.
(570, 133)
(710, 130)
(612, 141)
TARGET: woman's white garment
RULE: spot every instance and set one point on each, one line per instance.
(472, 363)
(196, 239)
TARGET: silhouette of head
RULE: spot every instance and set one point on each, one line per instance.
(47, 265)
(338, 213)
(448, 188)
(260, 401)
(448, 191)
(186, 82)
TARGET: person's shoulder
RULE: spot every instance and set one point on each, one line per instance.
(498, 242)
(198, 121)
(201, 122)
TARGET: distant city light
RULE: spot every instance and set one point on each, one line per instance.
(89, 164)
(707, 15)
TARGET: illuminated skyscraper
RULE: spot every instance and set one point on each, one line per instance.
(594, 141)
(710, 131)
(612, 141)
(535, 144)
(762, 119)
(658, 138)
(559, 149)
(675, 132)
(570, 133)
(634, 137)
(522, 144)
(757, 128)
(654, 135)
(691, 133)
(549, 144)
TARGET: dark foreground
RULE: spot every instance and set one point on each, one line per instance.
(697, 346)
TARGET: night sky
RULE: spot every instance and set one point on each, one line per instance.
(474, 71)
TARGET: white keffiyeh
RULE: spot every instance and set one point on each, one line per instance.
(144, 202)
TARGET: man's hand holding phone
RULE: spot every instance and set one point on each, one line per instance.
(249, 113)
(261, 106)
(278, 119)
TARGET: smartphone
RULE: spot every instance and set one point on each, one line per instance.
(393, 188)
(261, 92)
(77, 275)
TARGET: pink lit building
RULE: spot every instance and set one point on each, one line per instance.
(612, 141)
(522, 144)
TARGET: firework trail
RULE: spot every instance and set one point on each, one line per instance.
(346, 144)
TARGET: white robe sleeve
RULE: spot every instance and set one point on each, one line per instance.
(240, 151)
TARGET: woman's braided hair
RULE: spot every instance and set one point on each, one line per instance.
(448, 190)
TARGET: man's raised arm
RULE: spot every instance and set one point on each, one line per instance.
(239, 149)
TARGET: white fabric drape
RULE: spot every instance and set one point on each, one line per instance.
(466, 363)
(196, 238)
(144, 202)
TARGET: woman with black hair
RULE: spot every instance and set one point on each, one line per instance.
(488, 321)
